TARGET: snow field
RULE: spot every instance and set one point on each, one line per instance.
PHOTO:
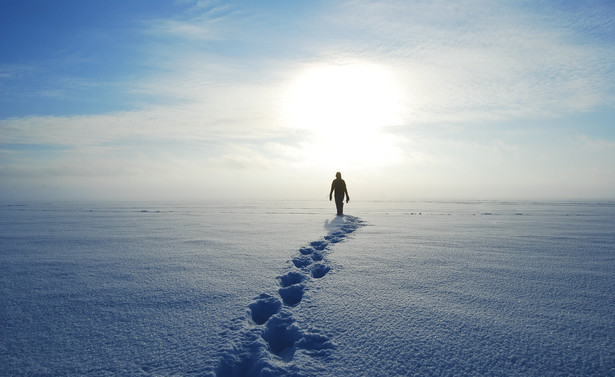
(218, 289)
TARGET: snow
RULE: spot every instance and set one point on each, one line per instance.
(486, 288)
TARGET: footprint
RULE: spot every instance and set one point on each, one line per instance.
(291, 278)
(348, 228)
(319, 270)
(284, 337)
(306, 250)
(264, 307)
(319, 245)
(302, 261)
(316, 345)
(292, 295)
(332, 238)
(335, 236)
(317, 256)
(282, 334)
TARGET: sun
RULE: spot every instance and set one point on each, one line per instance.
(347, 97)
(344, 109)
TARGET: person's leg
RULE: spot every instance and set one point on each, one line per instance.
(339, 203)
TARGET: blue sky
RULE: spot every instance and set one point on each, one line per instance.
(212, 99)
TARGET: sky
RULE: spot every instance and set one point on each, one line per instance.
(408, 99)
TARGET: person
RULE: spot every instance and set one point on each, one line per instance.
(339, 186)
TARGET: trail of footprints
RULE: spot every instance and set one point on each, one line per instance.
(309, 262)
(272, 317)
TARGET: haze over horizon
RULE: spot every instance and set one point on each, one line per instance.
(196, 100)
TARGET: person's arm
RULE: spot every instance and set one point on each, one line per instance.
(331, 192)
(346, 192)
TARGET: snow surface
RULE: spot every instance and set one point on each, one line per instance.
(287, 289)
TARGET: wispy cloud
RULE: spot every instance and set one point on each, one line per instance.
(201, 22)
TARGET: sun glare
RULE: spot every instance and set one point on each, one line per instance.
(344, 97)
(344, 107)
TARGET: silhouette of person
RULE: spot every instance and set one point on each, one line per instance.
(339, 186)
